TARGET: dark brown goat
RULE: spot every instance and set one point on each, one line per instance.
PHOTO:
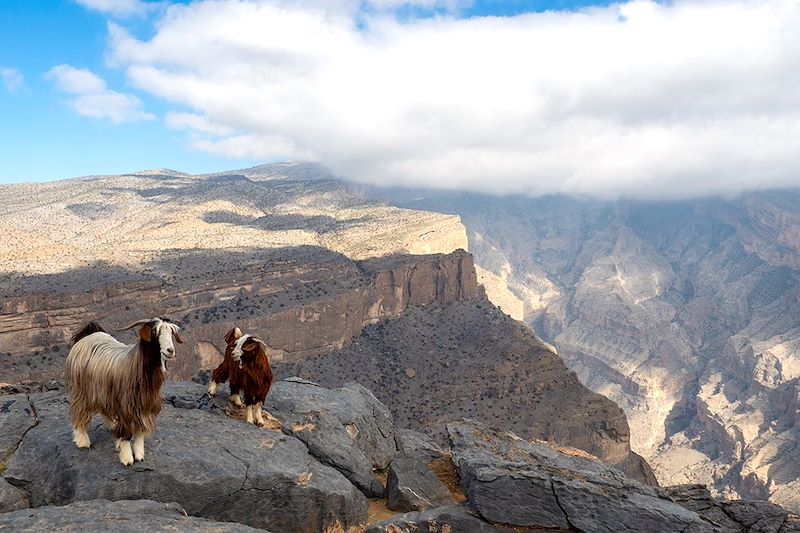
(246, 365)
(228, 369)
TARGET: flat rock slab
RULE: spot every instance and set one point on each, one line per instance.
(514, 482)
(413, 487)
(126, 516)
(213, 466)
(347, 427)
(451, 519)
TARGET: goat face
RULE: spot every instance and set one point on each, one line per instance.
(167, 335)
(244, 345)
(162, 331)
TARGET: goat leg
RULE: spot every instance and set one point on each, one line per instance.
(138, 447)
(125, 452)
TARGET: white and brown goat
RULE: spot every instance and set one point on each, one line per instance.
(120, 381)
(246, 365)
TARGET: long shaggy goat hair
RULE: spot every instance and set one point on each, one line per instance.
(120, 381)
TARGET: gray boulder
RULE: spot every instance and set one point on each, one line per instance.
(412, 443)
(413, 487)
(453, 519)
(347, 428)
(213, 466)
(126, 516)
(514, 482)
(737, 515)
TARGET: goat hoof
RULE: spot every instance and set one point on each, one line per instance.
(125, 453)
(81, 440)
(236, 400)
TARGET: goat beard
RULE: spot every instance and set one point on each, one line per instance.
(163, 364)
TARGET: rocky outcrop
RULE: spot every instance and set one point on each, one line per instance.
(125, 516)
(516, 483)
(206, 469)
(347, 428)
(737, 515)
(213, 466)
(468, 359)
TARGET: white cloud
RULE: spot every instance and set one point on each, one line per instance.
(641, 98)
(118, 8)
(91, 97)
(12, 79)
(76, 80)
(194, 123)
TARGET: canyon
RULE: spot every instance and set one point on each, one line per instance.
(333, 281)
(685, 313)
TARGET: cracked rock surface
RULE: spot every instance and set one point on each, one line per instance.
(126, 516)
(16, 418)
(513, 482)
(213, 466)
(346, 427)
(749, 516)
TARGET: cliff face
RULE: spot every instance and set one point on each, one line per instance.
(686, 314)
(308, 301)
(468, 359)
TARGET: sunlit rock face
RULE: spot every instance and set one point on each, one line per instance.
(276, 247)
(686, 314)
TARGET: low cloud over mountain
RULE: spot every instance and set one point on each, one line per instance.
(641, 98)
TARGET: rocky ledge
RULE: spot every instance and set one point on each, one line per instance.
(207, 469)
(514, 485)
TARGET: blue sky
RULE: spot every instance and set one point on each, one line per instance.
(42, 139)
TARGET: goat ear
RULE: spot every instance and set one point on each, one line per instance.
(145, 332)
(177, 337)
(233, 334)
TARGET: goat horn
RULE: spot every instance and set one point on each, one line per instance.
(137, 323)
